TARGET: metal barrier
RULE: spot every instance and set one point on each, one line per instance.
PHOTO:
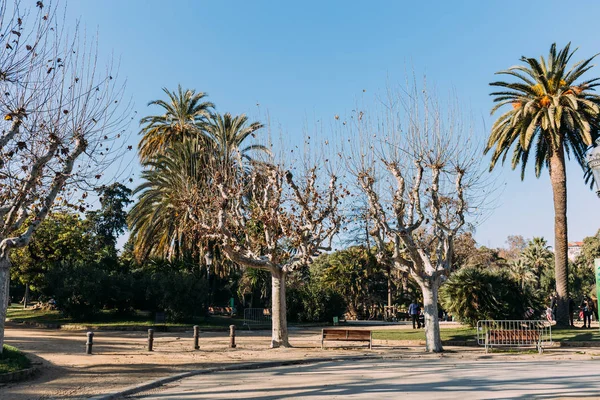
(514, 333)
(257, 317)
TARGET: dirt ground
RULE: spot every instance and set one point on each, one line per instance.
(120, 359)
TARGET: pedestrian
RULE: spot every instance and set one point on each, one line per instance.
(554, 305)
(571, 311)
(587, 308)
(413, 311)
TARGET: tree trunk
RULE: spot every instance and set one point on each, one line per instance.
(4, 285)
(433, 341)
(558, 178)
(26, 296)
(279, 336)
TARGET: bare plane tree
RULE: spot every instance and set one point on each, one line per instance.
(421, 176)
(274, 221)
(61, 123)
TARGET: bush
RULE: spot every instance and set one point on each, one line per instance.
(312, 303)
(473, 294)
(180, 294)
(79, 290)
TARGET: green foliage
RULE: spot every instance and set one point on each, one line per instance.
(314, 303)
(552, 110)
(110, 220)
(357, 277)
(473, 294)
(183, 115)
(180, 294)
(61, 237)
(12, 360)
(79, 289)
(582, 282)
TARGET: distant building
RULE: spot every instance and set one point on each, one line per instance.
(574, 250)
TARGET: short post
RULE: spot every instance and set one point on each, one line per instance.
(150, 339)
(196, 336)
(89, 343)
(232, 336)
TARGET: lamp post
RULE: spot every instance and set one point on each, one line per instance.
(208, 259)
(593, 161)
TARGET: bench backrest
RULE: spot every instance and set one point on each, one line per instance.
(346, 334)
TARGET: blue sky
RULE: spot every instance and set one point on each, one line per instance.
(311, 60)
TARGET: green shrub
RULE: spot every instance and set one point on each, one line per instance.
(312, 303)
(180, 294)
(473, 294)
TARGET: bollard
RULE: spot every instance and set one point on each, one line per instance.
(232, 336)
(196, 335)
(89, 343)
(150, 339)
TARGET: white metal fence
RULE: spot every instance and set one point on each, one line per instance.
(257, 317)
(514, 333)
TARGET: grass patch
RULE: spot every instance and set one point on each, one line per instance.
(575, 335)
(470, 334)
(12, 360)
(454, 334)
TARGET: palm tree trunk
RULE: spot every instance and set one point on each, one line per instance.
(558, 178)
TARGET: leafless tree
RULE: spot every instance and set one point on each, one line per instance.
(418, 166)
(61, 122)
(274, 221)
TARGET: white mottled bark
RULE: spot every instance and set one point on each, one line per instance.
(433, 341)
(279, 336)
(4, 285)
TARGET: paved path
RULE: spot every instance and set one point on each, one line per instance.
(394, 378)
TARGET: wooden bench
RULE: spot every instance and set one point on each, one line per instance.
(347, 335)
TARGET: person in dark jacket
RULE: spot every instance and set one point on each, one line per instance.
(587, 306)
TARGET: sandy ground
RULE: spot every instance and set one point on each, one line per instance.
(120, 359)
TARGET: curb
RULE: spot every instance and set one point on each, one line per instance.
(237, 367)
(18, 375)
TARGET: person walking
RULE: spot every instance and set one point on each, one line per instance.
(588, 308)
(413, 311)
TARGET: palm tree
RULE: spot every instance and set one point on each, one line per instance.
(160, 221)
(521, 273)
(538, 256)
(185, 114)
(175, 180)
(226, 135)
(552, 114)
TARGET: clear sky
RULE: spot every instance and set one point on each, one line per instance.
(308, 60)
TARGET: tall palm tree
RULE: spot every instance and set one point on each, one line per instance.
(175, 180)
(553, 114)
(185, 113)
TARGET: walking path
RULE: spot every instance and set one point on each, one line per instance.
(445, 378)
(120, 359)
